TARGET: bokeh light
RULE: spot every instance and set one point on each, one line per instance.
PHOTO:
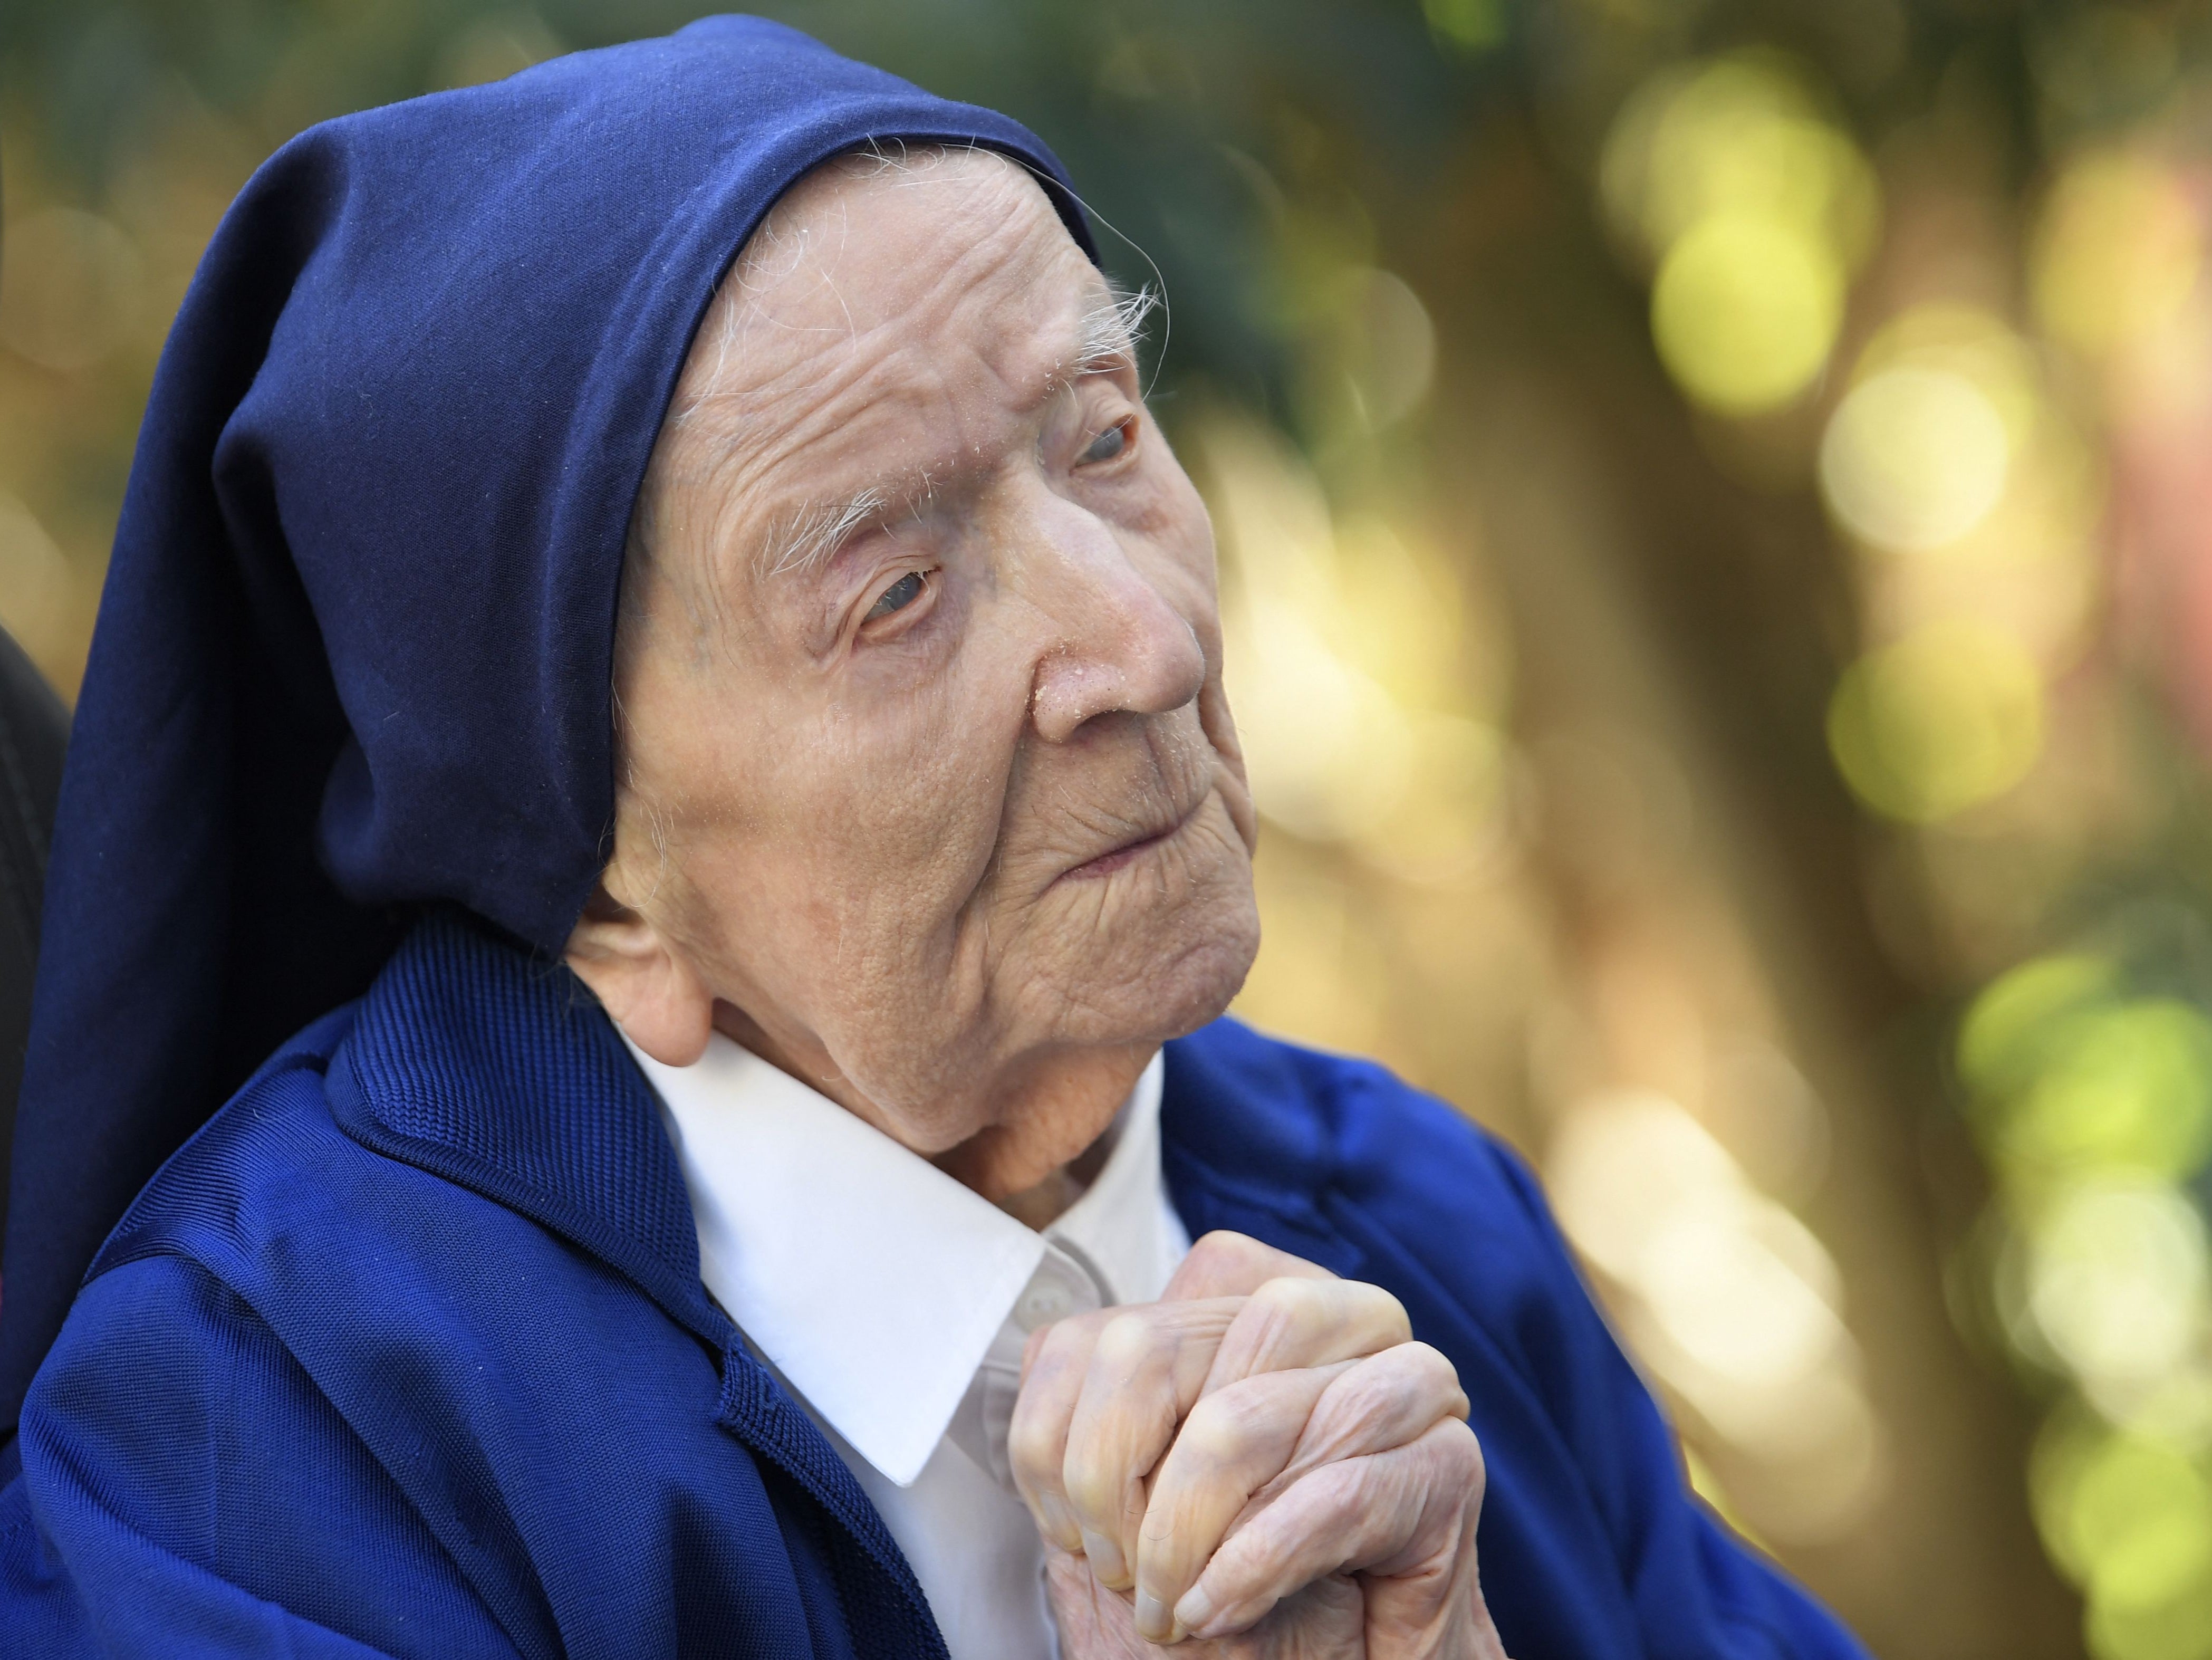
(1755, 209)
(2093, 1098)
(2118, 250)
(2127, 1084)
(1470, 25)
(1731, 1299)
(2069, 1075)
(1744, 311)
(1945, 719)
(1390, 347)
(1743, 134)
(1354, 720)
(2116, 1280)
(1914, 458)
(2130, 1518)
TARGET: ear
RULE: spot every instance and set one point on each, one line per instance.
(644, 980)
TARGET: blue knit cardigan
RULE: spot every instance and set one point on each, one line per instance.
(406, 1353)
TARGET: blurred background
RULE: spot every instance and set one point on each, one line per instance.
(1717, 539)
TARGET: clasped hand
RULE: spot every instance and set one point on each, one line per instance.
(1263, 1464)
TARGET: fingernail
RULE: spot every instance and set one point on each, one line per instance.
(1059, 1522)
(1107, 1566)
(1155, 1621)
(1193, 1611)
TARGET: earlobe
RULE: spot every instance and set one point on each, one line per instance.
(647, 984)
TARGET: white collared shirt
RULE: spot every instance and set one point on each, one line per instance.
(895, 1303)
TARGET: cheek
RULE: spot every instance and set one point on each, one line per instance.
(887, 809)
(924, 763)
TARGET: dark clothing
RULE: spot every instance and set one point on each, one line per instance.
(407, 1353)
(34, 728)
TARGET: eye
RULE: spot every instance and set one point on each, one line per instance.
(1107, 445)
(897, 597)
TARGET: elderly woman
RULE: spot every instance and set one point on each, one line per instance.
(688, 513)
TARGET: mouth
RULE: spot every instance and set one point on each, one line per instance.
(1130, 851)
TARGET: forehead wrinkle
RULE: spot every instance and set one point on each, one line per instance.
(802, 537)
(757, 280)
(726, 431)
(762, 273)
(799, 537)
(738, 385)
(787, 242)
(709, 480)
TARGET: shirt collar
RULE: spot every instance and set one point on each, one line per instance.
(870, 1280)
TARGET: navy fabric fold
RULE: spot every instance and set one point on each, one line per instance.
(353, 653)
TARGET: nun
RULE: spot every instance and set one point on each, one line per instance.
(629, 1052)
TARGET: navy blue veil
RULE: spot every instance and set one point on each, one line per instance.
(353, 653)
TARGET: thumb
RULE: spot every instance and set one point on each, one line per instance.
(1225, 1264)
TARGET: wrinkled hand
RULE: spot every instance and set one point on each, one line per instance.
(1325, 1621)
(1264, 1460)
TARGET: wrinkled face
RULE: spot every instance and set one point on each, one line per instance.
(928, 777)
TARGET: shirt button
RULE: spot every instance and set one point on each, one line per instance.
(1042, 1304)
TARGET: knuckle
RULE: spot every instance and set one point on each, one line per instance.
(1370, 1390)
(1053, 1351)
(1461, 1452)
(1387, 1311)
(1124, 1339)
(1278, 1311)
(1428, 1359)
(1218, 1430)
(1443, 1377)
(1089, 1484)
(1314, 1306)
(1223, 1249)
(1419, 1371)
(1288, 1296)
(1073, 1337)
(1029, 1450)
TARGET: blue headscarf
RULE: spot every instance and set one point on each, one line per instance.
(355, 650)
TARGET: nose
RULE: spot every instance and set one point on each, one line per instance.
(1115, 644)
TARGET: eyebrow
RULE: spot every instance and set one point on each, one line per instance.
(802, 539)
(1107, 336)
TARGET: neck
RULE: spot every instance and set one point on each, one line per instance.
(1040, 1207)
(1047, 1134)
(1047, 1137)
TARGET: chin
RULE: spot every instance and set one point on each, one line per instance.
(1198, 983)
(1192, 945)
(1168, 978)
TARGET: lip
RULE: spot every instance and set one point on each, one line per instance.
(1129, 852)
